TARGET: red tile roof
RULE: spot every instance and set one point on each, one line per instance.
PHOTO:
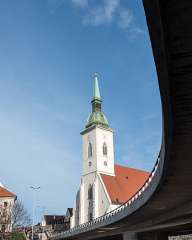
(126, 182)
(5, 193)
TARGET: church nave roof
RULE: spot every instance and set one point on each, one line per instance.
(125, 184)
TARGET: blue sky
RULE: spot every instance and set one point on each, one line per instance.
(49, 50)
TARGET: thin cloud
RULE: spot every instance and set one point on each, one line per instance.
(101, 14)
(55, 4)
(109, 12)
(104, 12)
(125, 18)
(80, 3)
(135, 30)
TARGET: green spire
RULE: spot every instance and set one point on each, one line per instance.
(96, 93)
(97, 117)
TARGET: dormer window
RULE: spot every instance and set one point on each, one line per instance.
(90, 151)
(105, 149)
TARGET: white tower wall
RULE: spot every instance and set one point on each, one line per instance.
(99, 162)
(87, 180)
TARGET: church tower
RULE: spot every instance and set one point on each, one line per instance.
(98, 149)
(102, 189)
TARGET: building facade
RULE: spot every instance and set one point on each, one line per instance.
(104, 185)
(7, 200)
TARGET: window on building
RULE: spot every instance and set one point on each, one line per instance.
(77, 213)
(5, 204)
(105, 149)
(90, 192)
(90, 150)
(3, 228)
(90, 216)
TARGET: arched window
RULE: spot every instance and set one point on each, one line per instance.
(90, 192)
(90, 151)
(105, 149)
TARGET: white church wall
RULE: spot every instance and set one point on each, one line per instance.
(98, 161)
(89, 162)
(92, 165)
(78, 205)
(95, 197)
(88, 180)
(113, 207)
(82, 207)
(105, 163)
(102, 200)
(72, 219)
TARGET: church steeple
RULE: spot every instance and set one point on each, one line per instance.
(98, 149)
(96, 102)
(97, 117)
(96, 92)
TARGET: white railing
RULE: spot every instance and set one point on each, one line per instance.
(107, 216)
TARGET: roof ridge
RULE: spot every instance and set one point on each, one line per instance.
(137, 169)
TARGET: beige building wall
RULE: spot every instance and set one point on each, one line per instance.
(9, 201)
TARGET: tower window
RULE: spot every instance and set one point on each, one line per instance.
(90, 216)
(90, 192)
(90, 151)
(105, 149)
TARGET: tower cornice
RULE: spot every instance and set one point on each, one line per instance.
(94, 127)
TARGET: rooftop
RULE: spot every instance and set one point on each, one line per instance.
(126, 182)
(5, 193)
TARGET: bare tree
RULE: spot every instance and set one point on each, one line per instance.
(13, 217)
(20, 216)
